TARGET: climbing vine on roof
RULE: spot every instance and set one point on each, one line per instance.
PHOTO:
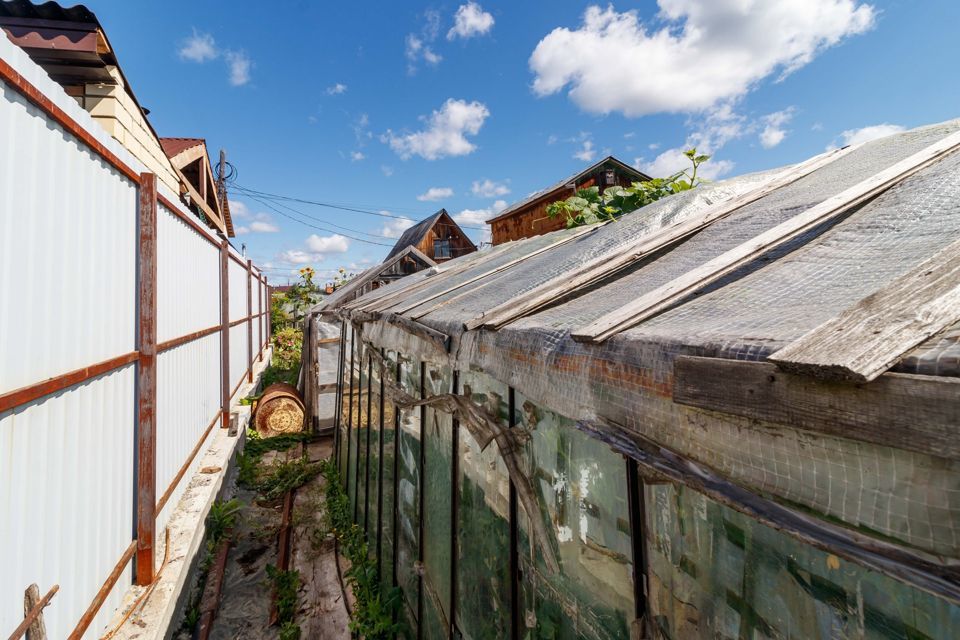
(589, 206)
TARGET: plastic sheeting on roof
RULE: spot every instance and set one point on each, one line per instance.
(627, 380)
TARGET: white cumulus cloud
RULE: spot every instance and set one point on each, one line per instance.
(239, 64)
(774, 130)
(199, 47)
(866, 134)
(586, 152)
(257, 226)
(445, 133)
(297, 256)
(327, 244)
(696, 54)
(435, 193)
(357, 156)
(487, 188)
(395, 228)
(469, 21)
(479, 217)
(336, 89)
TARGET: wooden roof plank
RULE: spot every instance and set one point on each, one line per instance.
(868, 338)
(900, 410)
(678, 289)
(621, 257)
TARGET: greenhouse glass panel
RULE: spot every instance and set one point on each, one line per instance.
(387, 527)
(373, 468)
(580, 485)
(408, 494)
(344, 417)
(714, 572)
(483, 532)
(354, 424)
(437, 500)
(363, 436)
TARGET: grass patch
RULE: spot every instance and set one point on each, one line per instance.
(375, 612)
(285, 587)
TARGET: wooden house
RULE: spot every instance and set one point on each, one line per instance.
(437, 237)
(72, 47)
(529, 217)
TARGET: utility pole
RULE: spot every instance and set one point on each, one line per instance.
(221, 179)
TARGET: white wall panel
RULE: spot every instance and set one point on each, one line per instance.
(239, 357)
(66, 499)
(68, 225)
(188, 398)
(188, 279)
(238, 291)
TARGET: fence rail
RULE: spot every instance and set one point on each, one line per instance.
(127, 328)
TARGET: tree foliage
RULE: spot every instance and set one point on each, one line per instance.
(589, 206)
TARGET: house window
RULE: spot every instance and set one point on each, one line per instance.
(441, 249)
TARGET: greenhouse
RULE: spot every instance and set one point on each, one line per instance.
(729, 414)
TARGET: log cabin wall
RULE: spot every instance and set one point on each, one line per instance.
(532, 219)
(445, 229)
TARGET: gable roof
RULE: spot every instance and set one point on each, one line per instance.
(416, 233)
(639, 176)
(174, 146)
(343, 294)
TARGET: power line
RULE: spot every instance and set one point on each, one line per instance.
(327, 229)
(330, 205)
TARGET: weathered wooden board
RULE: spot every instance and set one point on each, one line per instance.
(873, 335)
(624, 256)
(916, 413)
(489, 272)
(679, 288)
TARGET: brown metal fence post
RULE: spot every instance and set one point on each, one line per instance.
(250, 356)
(260, 289)
(147, 380)
(224, 335)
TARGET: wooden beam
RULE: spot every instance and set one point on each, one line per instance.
(874, 334)
(147, 380)
(904, 411)
(490, 272)
(197, 199)
(443, 271)
(622, 256)
(830, 209)
(33, 626)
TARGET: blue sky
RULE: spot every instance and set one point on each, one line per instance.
(374, 105)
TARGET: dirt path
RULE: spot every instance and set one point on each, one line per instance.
(246, 597)
(321, 613)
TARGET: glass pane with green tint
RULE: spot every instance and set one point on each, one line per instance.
(373, 468)
(408, 494)
(387, 527)
(714, 572)
(580, 486)
(344, 417)
(363, 436)
(483, 532)
(354, 425)
(438, 485)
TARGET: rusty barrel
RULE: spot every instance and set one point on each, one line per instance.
(280, 410)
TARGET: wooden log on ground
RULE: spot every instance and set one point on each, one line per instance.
(280, 410)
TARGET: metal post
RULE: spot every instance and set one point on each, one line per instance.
(366, 470)
(514, 537)
(224, 335)
(454, 512)
(396, 480)
(380, 474)
(147, 380)
(422, 480)
(250, 355)
(263, 309)
(637, 511)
